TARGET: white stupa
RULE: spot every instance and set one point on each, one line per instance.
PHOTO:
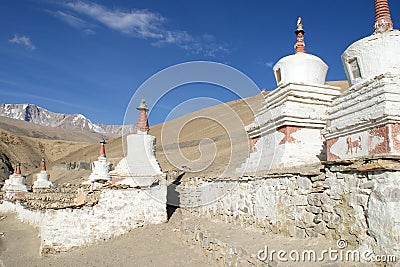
(15, 182)
(365, 119)
(100, 167)
(140, 163)
(42, 178)
(286, 132)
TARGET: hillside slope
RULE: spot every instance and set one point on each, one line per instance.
(28, 151)
(192, 129)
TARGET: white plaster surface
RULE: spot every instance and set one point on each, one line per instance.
(42, 180)
(15, 183)
(116, 213)
(366, 105)
(374, 102)
(100, 170)
(140, 159)
(301, 68)
(270, 155)
(384, 212)
(298, 105)
(376, 54)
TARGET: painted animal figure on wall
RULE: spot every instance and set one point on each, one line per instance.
(356, 144)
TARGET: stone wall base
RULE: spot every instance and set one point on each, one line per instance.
(117, 212)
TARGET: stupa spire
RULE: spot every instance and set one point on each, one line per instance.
(299, 47)
(102, 152)
(143, 124)
(43, 165)
(383, 22)
(17, 169)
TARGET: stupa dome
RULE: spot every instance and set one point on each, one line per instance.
(301, 67)
(376, 54)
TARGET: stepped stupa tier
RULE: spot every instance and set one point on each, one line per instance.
(15, 182)
(365, 120)
(287, 129)
(140, 162)
(42, 178)
(100, 167)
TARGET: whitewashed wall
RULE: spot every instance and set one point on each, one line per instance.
(358, 207)
(117, 212)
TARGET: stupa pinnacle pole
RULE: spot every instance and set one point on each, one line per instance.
(300, 46)
(383, 22)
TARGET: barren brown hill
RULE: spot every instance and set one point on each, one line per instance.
(28, 151)
(344, 85)
(223, 124)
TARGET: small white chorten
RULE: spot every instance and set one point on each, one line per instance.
(140, 163)
(15, 182)
(365, 119)
(286, 132)
(100, 167)
(43, 177)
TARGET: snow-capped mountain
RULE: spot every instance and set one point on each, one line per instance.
(42, 116)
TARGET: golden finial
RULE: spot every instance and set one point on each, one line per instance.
(299, 24)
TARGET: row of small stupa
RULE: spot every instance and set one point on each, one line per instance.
(135, 169)
(138, 165)
(15, 183)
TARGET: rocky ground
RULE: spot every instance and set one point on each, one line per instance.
(183, 241)
(153, 245)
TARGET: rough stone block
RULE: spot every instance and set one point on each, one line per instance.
(327, 216)
(311, 233)
(300, 200)
(307, 218)
(320, 177)
(314, 210)
(304, 184)
(357, 199)
(367, 185)
(318, 218)
(320, 228)
(315, 199)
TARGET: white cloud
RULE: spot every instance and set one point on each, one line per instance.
(269, 64)
(138, 23)
(141, 23)
(26, 97)
(75, 22)
(23, 40)
(70, 19)
(89, 32)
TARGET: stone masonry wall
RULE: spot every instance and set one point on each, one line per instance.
(116, 211)
(361, 207)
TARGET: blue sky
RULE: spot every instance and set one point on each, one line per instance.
(89, 57)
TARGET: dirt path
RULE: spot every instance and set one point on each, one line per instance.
(153, 245)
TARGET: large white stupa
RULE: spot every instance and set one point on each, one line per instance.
(364, 121)
(139, 165)
(100, 167)
(286, 132)
(42, 178)
(15, 182)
